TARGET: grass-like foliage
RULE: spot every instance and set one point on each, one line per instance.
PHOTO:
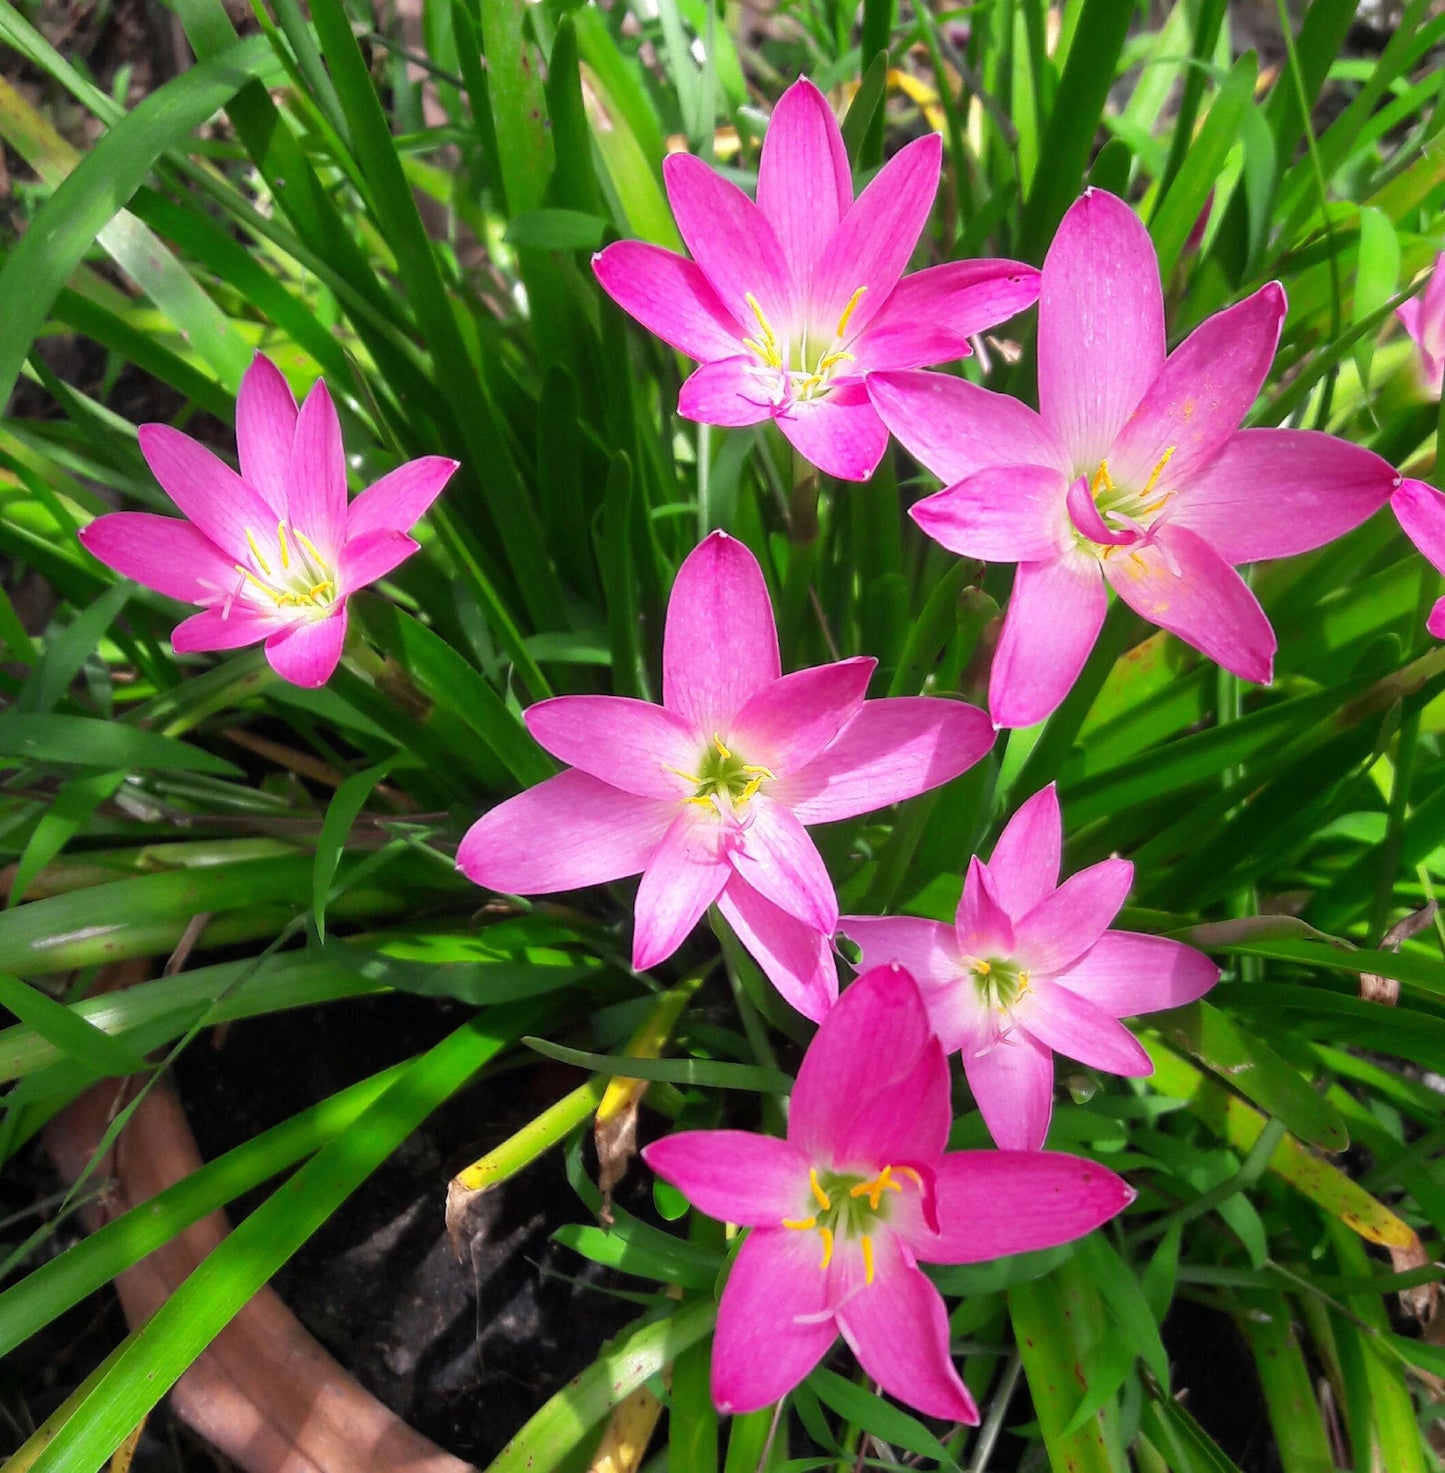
(415, 221)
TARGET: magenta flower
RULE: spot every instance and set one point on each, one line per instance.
(843, 1210)
(707, 794)
(1420, 510)
(1423, 318)
(273, 553)
(1134, 473)
(1029, 967)
(788, 302)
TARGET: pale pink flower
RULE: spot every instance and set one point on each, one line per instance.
(1423, 318)
(1029, 967)
(788, 302)
(1134, 474)
(843, 1210)
(1420, 510)
(707, 794)
(273, 553)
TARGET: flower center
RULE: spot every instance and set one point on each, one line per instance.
(292, 576)
(848, 1206)
(723, 780)
(998, 981)
(804, 365)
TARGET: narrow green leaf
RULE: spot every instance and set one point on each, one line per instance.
(347, 802)
(83, 742)
(896, 1427)
(73, 1035)
(706, 1072)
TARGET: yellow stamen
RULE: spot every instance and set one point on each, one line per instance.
(325, 586)
(867, 1245)
(1023, 983)
(828, 360)
(1102, 480)
(801, 1223)
(874, 1189)
(848, 311)
(691, 777)
(767, 348)
(819, 1195)
(270, 592)
(827, 1247)
(256, 553)
(722, 751)
(983, 968)
(752, 787)
(1158, 470)
(310, 546)
(281, 539)
(909, 1171)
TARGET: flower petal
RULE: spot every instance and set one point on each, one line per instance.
(840, 433)
(568, 832)
(982, 927)
(165, 553)
(926, 950)
(774, 854)
(1125, 973)
(215, 629)
(630, 744)
(308, 650)
(731, 391)
(720, 645)
(956, 428)
(1054, 616)
(892, 749)
(683, 877)
(316, 474)
(265, 427)
(735, 1175)
(1005, 514)
(399, 499)
(1071, 1025)
(1012, 1078)
(795, 958)
(1101, 325)
(773, 1324)
(1180, 583)
(1024, 865)
(670, 296)
(371, 556)
(789, 722)
(904, 1122)
(1420, 510)
(1067, 922)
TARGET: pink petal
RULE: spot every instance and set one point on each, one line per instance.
(956, 428)
(208, 492)
(731, 391)
(670, 296)
(1085, 515)
(1420, 510)
(795, 958)
(983, 929)
(931, 314)
(776, 857)
(215, 629)
(926, 950)
(632, 745)
(1435, 622)
(731, 240)
(316, 474)
(892, 749)
(566, 833)
(1005, 514)
(804, 183)
(872, 243)
(905, 1122)
(992, 1204)
(789, 722)
(839, 433)
(265, 426)
(1054, 616)
(400, 498)
(1071, 1025)
(683, 877)
(735, 1175)
(1101, 325)
(308, 650)
(1201, 394)
(165, 553)
(1024, 865)
(1066, 923)
(1012, 1079)
(897, 1326)
(1409, 315)
(773, 1324)
(1125, 973)
(720, 645)
(1180, 583)
(1273, 493)
(872, 1036)
(371, 556)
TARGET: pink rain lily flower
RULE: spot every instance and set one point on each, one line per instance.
(1420, 510)
(1029, 967)
(788, 302)
(843, 1210)
(1134, 473)
(1423, 318)
(707, 794)
(273, 553)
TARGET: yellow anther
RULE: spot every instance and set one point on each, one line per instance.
(281, 541)
(691, 777)
(848, 311)
(310, 547)
(874, 1189)
(752, 787)
(816, 1187)
(983, 968)
(317, 589)
(767, 347)
(722, 751)
(767, 352)
(1158, 470)
(256, 553)
(909, 1171)
(1102, 480)
(802, 1224)
(828, 360)
(1023, 983)
(270, 592)
(867, 1245)
(827, 1247)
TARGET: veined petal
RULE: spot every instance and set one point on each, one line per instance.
(683, 877)
(1024, 865)
(892, 749)
(400, 498)
(670, 296)
(720, 645)
(1005, 514)
(956, 428)
(371, 556)
(316, 474)
(1125, 973)
(217, 629)
(165, 553)
(796, 958)
(568, 832)
(774, 854)
(1420, 510)
(1067, 922)
(1201, 394)
(1274, 493)
(804, 183)
(1012, 1078)
(1071, 1025)
(1180, 583)
(265, 426)
(926, 950)
(1053, 618)
(306, 651)
(1101, 325)
(789, 722)
(730, 391)
(904, 1122)
(982, 927)
(735, 1175)
(773, 1324)
(628, 744)
(839, 433)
